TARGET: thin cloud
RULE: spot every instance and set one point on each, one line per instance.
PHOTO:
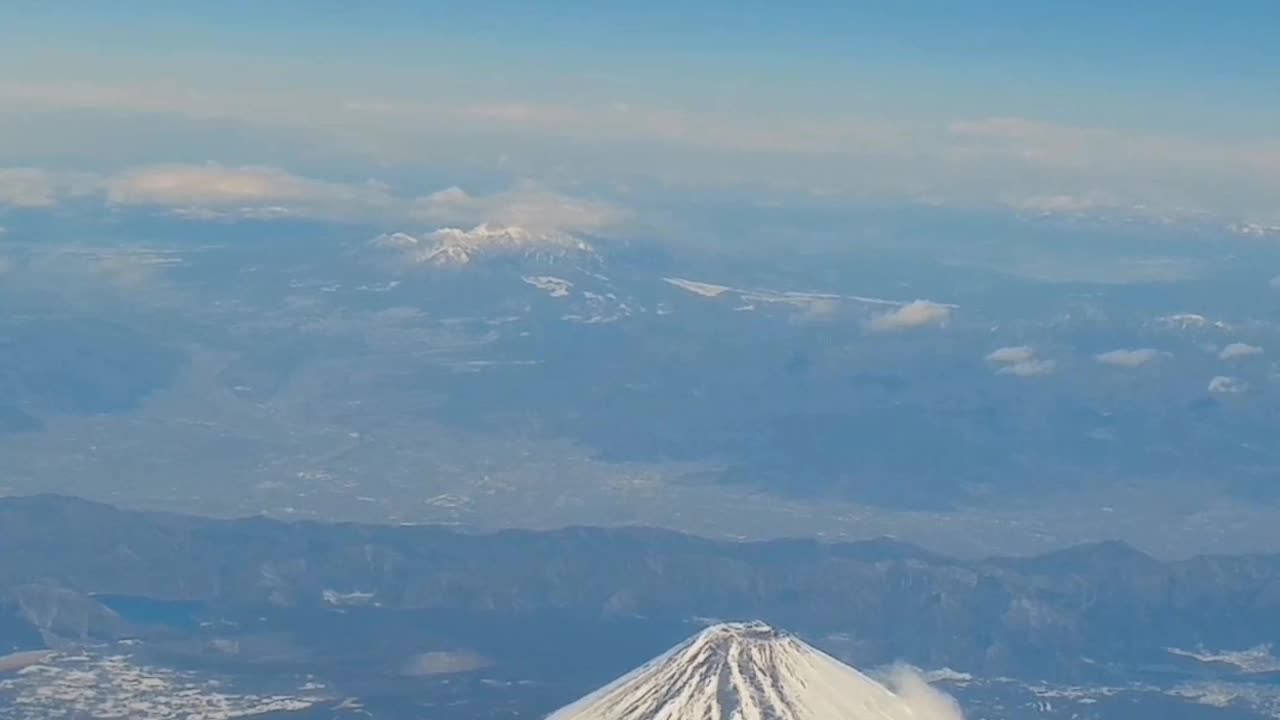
(1239, 350)
(1111, 168)
(1128, 358)
(924, 699)
(916, 314)
(1062, 203)
(1226, 385)
(1012, 354)
(1046, 143)
(445, 663)
(1030, 368)
(27, 188)
(1020, 361)
(816, 311)
(526, 206)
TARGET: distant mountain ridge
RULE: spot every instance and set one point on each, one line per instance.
(1068, 612)
(455, 246)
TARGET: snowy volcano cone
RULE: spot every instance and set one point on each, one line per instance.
(748, 671)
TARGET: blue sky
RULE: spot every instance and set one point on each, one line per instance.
(1170, 105)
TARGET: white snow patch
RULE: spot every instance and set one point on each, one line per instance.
(799, 299)
(555, 287)
(698, 288)
(947, 675)
(1257, 659)
(1190, 321)
(1185, 320)
(345, 599)
(115, 687)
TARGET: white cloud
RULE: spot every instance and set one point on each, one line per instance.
(916, 314)
(27, 188)
(1011, 354)
(1020, 361)
(1226, 385)
(246, 191)
(527, 206)
(1238, 350)
(1275, 282)
(925, 700)
(1128, 358)
(1030, 368)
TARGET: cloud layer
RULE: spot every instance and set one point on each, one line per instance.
(993, 160)
(213, 191)
(26, 188)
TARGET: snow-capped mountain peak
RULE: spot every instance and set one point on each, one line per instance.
(748, 671)
(455, 246)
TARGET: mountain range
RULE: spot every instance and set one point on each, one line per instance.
(1080, 612)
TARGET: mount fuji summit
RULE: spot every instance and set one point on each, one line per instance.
(749, 671)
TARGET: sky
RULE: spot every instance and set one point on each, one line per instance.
(1167, 108)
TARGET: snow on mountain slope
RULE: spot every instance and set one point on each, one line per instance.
(1257, 659)
(749, 671)
(787, 297)
(454, 246)
(555, 287)
(699, 288)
